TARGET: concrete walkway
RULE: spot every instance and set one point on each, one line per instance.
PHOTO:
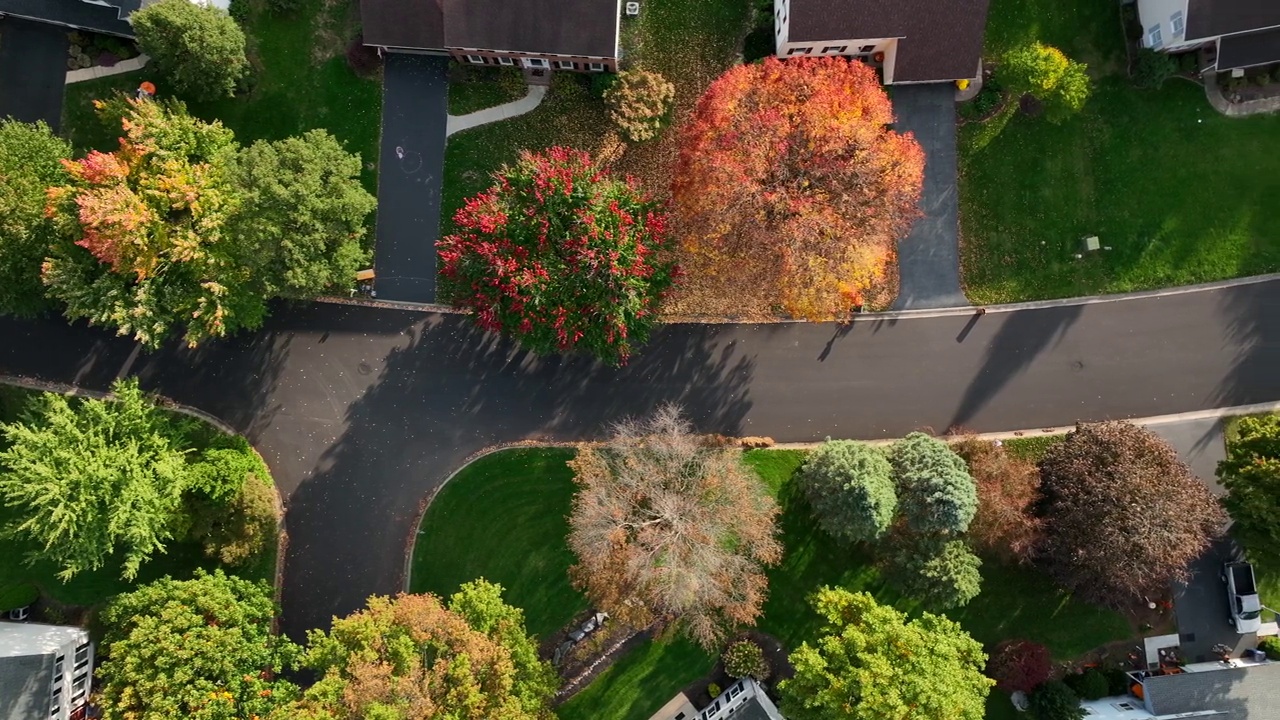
(506, 111)
(120, 68)
(1236, 109)
(929, 258)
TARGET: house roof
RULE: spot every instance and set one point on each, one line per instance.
(560, 27)
(1249, 49)
(1211, 18)
(1244, 693)
(24, 687)
(77, 13)
(941, 39)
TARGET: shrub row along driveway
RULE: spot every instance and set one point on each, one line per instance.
(361, 412)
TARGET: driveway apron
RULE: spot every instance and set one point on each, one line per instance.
(33, 70)
(929, 258)
(410, 174)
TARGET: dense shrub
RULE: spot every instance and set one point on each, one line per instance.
(986, 101)
(935, 492)
(283, 7)
(1189, 63)
(1055, 701)
(601, 83)
(1151, 68)
(940, 574)
(1118, 681)
(639, 103)
(1270, 646)
(198, 49)
(362, 59)
(1089, 685)
(1019, 665)
(849, 485)
(1004, 526)
(759, 44)
(1123, 516)
(243, 528)
(745, 659)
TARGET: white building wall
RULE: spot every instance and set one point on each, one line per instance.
(1164, 24)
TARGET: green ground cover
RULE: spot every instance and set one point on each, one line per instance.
(92, 587)
(528, 492)
(1032, 448)
(476, 87)
(1178, 192)
(300, 80)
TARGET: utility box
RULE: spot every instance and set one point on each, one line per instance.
(1090, 244)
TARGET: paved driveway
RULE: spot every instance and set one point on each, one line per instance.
(33, 70)
(1202, 610)
(410, 172)
(929, 258)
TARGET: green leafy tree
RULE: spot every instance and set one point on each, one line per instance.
(940, 573)
(850, 487)
(200, 649)
(935, 491)
(143, 246)
(1054, 700)
(561, 256)
(1251, 475)
(1044, 72)
(30, 161)
(304, 210)
(412, 657)
(870, 663)
(195, 47)
(88, 479)
(241, 528)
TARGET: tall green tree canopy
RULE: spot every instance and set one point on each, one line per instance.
(850, 487)
(1251, 474)
(304, 210)
(414, 658)
(84, 480)
(200, 649)
(935, 491)
(143, 244)
(870, 663)
(195, 47)
(30, 160)
(1044, 72)
(939, 573)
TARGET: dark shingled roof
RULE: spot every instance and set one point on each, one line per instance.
(1246, 693)
(563, 27)
(1210, 18)
(941, 39)
(1249, 49)
(77, 13)
(403, 23)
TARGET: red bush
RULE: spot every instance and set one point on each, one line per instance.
(1019, 665)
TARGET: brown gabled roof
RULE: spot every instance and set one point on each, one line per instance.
(1211, 18)
(560, 27)
(941, 39)
(403, 23)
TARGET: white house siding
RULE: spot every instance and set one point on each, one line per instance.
(781, 21)
(1161, 14)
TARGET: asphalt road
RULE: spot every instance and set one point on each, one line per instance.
(33, 71)
(361, 412)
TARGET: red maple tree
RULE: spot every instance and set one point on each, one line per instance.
(791, 169)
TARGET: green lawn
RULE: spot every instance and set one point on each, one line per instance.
(300, 81)
(527, 493)
(1178, 192)
(476, 87)
(91, 588)
(503, 518)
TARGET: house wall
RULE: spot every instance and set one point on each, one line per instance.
(1170, 18)
(499, 58)
(72, 678)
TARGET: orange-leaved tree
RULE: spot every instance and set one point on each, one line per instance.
(791, 169)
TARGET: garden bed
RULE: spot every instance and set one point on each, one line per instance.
(529, 491)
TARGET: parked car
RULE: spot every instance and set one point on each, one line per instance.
(1242, 597)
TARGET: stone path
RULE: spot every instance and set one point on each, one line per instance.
(93, 73)
(506, 111)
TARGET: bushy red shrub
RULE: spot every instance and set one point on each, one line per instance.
(1019, 665)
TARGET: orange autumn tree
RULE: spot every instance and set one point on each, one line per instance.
(789, 172)
(143, 245)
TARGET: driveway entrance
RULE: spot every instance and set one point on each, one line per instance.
(33, 70)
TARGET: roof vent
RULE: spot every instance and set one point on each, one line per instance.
(633, 8)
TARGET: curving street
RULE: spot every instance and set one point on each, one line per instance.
(362, 411)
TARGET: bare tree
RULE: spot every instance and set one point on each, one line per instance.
(671, 528)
